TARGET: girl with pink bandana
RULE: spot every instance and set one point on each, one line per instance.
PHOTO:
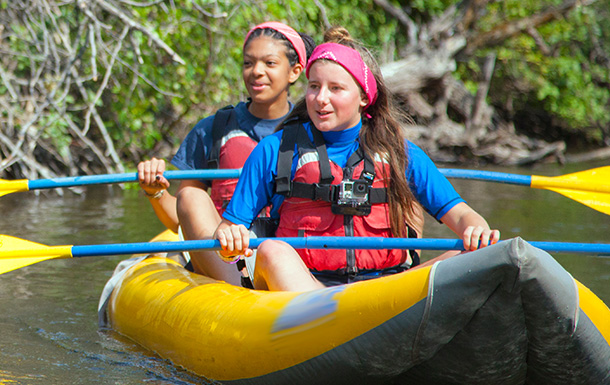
(274, 55)
(341, 167)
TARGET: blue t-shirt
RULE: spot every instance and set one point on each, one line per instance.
(194, 152)
(256, 185)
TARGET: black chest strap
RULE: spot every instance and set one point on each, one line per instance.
(295, 134)
(283, 180)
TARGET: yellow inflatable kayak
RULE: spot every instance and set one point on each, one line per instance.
(507, 314)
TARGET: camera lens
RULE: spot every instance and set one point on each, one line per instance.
(360, 187)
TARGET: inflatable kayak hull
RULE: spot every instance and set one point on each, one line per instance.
(506, 314)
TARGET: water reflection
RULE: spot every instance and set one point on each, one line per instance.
(49, 322)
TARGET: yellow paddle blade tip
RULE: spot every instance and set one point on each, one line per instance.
(10, 244)
(16, 253)
(11, 186)
(10, 264)
(596, 200)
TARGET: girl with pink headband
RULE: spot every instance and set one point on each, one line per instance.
(274, 55)
(341, 166)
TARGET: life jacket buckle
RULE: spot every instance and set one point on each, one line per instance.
(368, 176)
(351, 271)
(283, 186)
(333, 193)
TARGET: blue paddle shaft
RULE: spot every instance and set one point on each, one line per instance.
(129, 177)
(491, 176)
(297, 243)
(524, 180)
(322, 243)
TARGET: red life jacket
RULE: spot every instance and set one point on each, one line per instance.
(230, 149)
(308, 207)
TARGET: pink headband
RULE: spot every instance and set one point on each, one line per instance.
(351, 60)
(293, 37)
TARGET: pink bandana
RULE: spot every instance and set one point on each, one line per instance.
(351, 60)
(293, 37)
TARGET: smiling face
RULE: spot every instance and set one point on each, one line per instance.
(334, 99)
(267, 75)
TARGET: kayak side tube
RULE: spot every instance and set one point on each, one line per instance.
(508, 313)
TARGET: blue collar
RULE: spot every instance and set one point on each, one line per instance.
(344, 136)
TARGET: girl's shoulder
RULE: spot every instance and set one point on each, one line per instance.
(203, 127)
(417, 159)
(272, 140)
(414, 151)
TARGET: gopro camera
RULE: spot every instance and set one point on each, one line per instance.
(352, 198)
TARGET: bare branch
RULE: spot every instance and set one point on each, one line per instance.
(138, 4)
(544, 48)
(323, 14)
(93, 52)
(471, 12)
(109, 67)
(7, 83)
(148, 81)
(133, 24)
(403, 18)
(507, 30)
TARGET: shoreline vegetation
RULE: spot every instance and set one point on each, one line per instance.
(94, 87)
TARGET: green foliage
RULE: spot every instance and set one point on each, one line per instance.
(569, 85)
(431, 7)
(152, 98)
(56, 130)
(212, 47)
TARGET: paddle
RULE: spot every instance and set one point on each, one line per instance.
(16, 253)
(590, 187)
(20, 185)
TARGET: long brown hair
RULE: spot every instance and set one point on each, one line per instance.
(381, 134)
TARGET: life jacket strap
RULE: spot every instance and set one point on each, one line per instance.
(224, 121)
(330, 192)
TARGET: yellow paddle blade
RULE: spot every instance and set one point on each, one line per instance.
(596, 200)
(594, 180)
(589, 187)
(11, 186)
(16, 253)
(10, 264)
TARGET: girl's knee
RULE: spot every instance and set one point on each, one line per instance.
(272, 245)
(271, 252)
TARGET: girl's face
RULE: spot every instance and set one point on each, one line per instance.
(266, 70)
(334, 99)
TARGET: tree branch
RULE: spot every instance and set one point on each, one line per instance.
(510, 29)
(131, 23)
(402, 18)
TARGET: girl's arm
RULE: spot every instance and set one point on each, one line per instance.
(256, 184)
(470, 226)
(150, 176)
(196, 211)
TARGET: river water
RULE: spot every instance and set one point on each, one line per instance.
(48, 318)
